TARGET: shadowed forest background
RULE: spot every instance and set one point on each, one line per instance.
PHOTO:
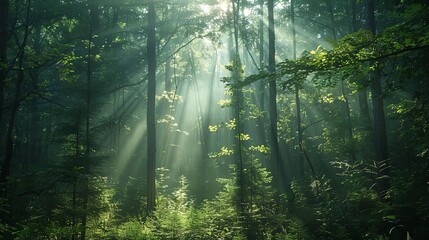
(214, 119)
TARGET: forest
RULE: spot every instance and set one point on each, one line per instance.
(214, 119)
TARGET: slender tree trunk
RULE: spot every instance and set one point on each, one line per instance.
(332, 18)
(75, 181)
(167, 78)
(35, 132)
(9, 148)
(4, 35)
(381, 151)
(93, 28)
(364, 109)
(262, 94)
(350, 150)
(300, 166)
(151, 93)
(116, 114)
(261, 34)
(275, 154)
(362, 94)
(237, 100)
(166, 108)
(353, 4)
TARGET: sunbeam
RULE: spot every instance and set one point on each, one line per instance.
(214, 119)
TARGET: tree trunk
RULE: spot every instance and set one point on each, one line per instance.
(4, 35)
(364, 109)
(261, 34)
(237, 101)
(261, 85)
(151, 93)
(167, 78)
(362, 95)
(350, 150)
(9, 148)
(93, 30)
(300, 165)
(331, 16)
(34, 141)
(381, 151)
(75, 180)
(275, 155)
(351, 147)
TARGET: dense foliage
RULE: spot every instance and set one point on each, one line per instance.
(220, 119)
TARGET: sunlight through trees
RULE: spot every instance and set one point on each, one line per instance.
(214, 119)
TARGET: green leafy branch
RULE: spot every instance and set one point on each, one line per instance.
(350, 52)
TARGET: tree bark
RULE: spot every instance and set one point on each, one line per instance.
(151, 123)
(364, 109)
(74, 192)
(350, 149)
(261, 34)
(4, 35)
(300, 164)
(167, 78)
(87, 149)
(9, 148)
(332, 18)
(381, 150)
(275, 154)
(93, 30)
(362, 94)
(237, 106)
(261, 85)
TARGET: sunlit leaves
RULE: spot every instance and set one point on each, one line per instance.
(171, 97)
(260, 149)
(328, 98)
(228, 125)
(254, 111)
(243, 137)
(224, 151)
(67, 68)
(186, 133)
(122, 24)
(225, 103)
(231, 124)
(213, 128)
(166, 119)
(352, 50)
(235, 67)
(413, 115)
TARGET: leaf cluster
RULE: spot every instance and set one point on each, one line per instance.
(351, 51)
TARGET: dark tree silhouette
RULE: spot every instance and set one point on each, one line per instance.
(381, 152)
(151, 93)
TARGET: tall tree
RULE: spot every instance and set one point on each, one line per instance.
(4, 35)
(92, 17)
(381, 151)
(262, 65)
(362, 93)
(261, 34)
(151, 93)
(300, 164)
(349, 129)
(237, 95)
(9, 148)
(275, 154)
